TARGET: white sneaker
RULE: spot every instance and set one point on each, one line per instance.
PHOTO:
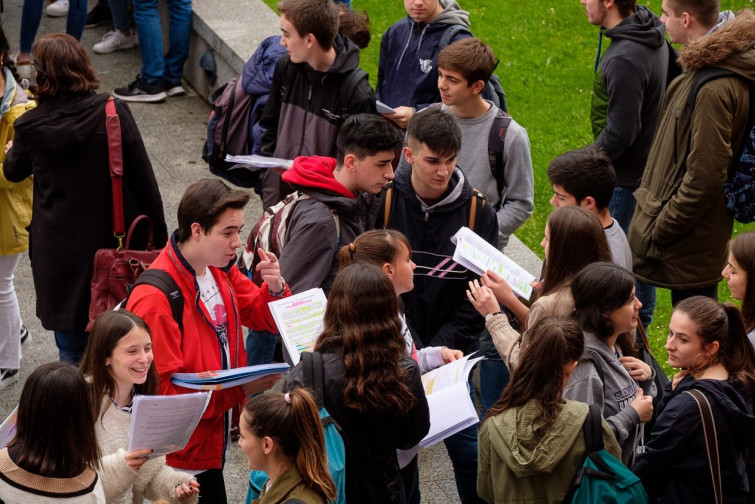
(114, 41)
(59, 8)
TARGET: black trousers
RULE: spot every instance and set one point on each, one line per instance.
(211, 487)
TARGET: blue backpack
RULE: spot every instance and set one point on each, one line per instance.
(602, 477)
(314, 377)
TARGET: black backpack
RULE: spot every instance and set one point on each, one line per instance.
(163, 281)
(493, 89)
(739, 189)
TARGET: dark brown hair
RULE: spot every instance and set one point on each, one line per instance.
(203, 202)
(378, 246)
(297, 429)
(318, 17)
(715, 321)
(437, 130)
(107, 331)
(366, 135)
(471, 57)
(362, 327)
(705, 11)
(55, 425)
(626, 7)
(576, 240)
(599, 289)
(743, 250)
(540, 374)
(62, 66)
(584, 172)
(354, 25)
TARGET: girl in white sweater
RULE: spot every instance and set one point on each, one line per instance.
(118, 364)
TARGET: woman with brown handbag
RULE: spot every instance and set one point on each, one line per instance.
(63, 143)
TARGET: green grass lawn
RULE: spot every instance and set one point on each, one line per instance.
(547, 51)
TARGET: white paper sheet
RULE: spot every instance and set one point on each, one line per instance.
(165, 423)
(382, 108)
(299, 320)
(474, 253)
(257, 162)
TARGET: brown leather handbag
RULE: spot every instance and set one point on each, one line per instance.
(115, 268)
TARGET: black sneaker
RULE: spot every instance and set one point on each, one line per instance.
(99, 15)
(141, 91)
(174, 89)
(8, 377)
(25, 336)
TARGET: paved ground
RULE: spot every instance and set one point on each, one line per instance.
(173, 133)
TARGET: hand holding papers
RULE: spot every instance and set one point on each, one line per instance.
(299, 320)
(382, 108)
(227, 378)
(474, 253)
(451, 408)
(165, 423)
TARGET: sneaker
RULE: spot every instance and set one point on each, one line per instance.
(141, 91)
(25, 336)
(114, 41)
(174, 89)
(59, 8)
(99, 15)
(8, 377)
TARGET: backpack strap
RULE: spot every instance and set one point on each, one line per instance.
(593, 430)
(711, 441)
(496, 143)
(348, 87)
(313, 374)
(162, 280)
(450, 33)
(386, 205)
(476, 205)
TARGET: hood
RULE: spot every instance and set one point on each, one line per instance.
(642, 27)
(257, 78)
(13, 94)
(452, 14)
(732, 46)
(512, 437)
(347, 59)
(456, 194)
(729, 398)
(62, 124)
(315, 172)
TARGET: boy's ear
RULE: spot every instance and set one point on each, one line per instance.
(478, 87)
(196, 230)
(348, 162)
(311, 40)
(408, 155)
(588, 203)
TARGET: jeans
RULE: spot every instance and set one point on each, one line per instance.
(680, 294)
(31, 15)
(260, 347)
(156, 64)
(10, 317)
(71, 345)
(646, 294)
(622, 207)
(494, 376)
(119, 11)
(462, 450)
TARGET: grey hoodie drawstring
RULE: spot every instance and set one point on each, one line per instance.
(405, 46)
(421, 35)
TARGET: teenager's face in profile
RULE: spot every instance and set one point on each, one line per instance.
(219, 244)
(296, 45)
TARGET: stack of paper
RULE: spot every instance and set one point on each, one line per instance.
(299, 320)
(451, 408)
(227, 378)
(256, 162)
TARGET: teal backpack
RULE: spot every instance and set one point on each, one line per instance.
(313, 376)
(603, 478)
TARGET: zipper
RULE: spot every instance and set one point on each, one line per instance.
(304, 122)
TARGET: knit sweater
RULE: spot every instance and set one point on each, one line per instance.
(123, 485)
(18, 486)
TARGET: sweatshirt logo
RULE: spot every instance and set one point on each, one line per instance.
(330, 115)
(426, 65)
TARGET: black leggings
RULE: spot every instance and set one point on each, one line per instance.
(211, 487)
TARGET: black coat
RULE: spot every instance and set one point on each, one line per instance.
(372, 471)
(63, 143)
(674, 467)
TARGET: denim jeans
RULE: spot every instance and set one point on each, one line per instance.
(646, 294)
(260, 347)
(10, 317)
(31, 15)
(119, 11)
(622, 207)
(71, 345)
(156, 64)
(494, 376)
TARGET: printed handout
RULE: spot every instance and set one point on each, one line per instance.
(227, 378)
(165, 423)
(256, 162)
(382, 108)
(474, 253)
(299, 320)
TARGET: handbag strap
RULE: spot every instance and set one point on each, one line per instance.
(115, 155)
(711, 441)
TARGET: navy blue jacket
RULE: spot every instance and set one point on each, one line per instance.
(438, 309)
(674, 467)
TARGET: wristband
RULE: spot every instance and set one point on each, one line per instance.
(280, 292)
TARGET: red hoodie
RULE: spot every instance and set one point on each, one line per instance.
(315, 172)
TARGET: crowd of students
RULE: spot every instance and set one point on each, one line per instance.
(377, 241)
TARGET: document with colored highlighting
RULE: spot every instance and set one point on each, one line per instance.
(299, 319)
(451, 407)
(227, 378)
(474, 253)
(165, 423)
